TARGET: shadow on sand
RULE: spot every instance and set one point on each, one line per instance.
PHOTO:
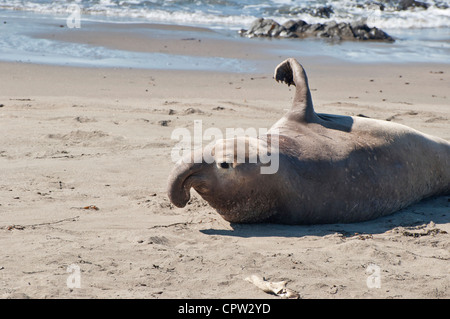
(436, 209)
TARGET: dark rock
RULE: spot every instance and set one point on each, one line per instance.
(264, 28)
(331, 30)
(293, 26)
(441, 5)
(363, 32)
(322, 12)
(312, 30)
(287, 34)
(276, 30)
(406, 4)
(346, 31)
(372, 5)
(267, 28)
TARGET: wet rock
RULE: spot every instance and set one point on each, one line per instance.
(314, 29)
(293, 26)
(263, 27)
(266, 28)
(320, 12)
(363, 32)
(345, 31)
(407, 4)
(372, 5)
(300, 29)
(401, 5)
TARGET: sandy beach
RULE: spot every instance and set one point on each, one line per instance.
(85, 156)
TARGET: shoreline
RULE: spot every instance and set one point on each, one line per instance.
(178, 47)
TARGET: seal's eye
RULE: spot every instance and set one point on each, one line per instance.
(224, 165)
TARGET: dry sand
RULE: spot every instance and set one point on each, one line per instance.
(85, 155)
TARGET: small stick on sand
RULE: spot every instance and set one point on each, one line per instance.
(277, 288)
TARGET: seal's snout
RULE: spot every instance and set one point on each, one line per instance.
(180, 181)
(177, 192)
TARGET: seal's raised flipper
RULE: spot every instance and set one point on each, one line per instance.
(292, 73)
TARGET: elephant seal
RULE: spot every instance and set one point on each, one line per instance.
(332, 168)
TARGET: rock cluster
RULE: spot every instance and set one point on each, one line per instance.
(300, 29)
(395, 5)
(320, 12)
(408, 4)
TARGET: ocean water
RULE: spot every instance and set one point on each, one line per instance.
(20, 41)
(422, 35)
(237, 14)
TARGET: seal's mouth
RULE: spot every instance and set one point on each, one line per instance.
(181, 197)
(199, 184)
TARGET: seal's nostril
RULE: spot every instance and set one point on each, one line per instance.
(224, 165)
